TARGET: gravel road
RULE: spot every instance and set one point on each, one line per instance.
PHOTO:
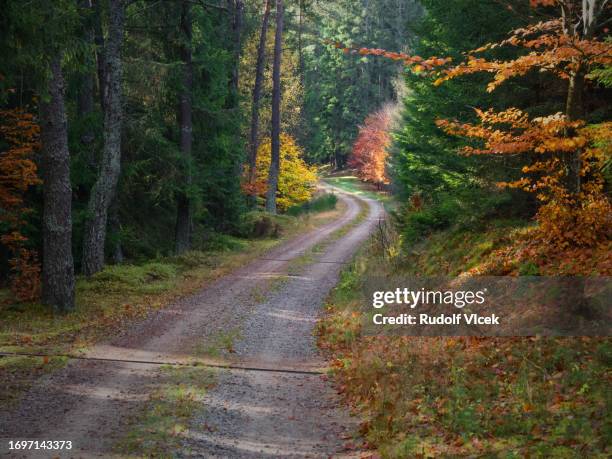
(251, 414)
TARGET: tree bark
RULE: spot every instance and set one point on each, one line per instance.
(574, 111)
(114, 223)
(85, 102)
(105, 187)
(183, 214)
(259, 75)
(99, 42)
(58, 269)
(276, 102)
(237, 8)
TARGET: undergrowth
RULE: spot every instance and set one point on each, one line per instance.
(321, 203)
(114, 298)
(464, 397)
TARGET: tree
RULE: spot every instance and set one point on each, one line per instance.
(554, 46)
(18, 172)
(184, 209)
(296, 181)
(110, 167)
(237, 8)
(86, 90)
(259, 74)
(58, 268)
(276, 121)
(568, 46)
(342, 89)
(370, 153)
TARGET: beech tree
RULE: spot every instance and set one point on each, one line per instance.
(110, 166)
(276, 121)
(18, 172)
(370, 153)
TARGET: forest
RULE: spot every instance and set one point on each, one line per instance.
(149, 148)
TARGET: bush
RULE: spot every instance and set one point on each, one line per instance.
(469, 209)
(259, 225)
(134, 275)
(321, 203)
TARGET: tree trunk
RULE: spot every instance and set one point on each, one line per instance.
(99, 42)
(114, 223)
(259, 75)
(85, 110)
(58, 269)
(183, 214)
(574, 111)
(300, 41)
(276, 102)
(238, 8)
(105, 187)
(85, 103)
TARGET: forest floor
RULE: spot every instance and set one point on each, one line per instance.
(426, 397)
(259, 318)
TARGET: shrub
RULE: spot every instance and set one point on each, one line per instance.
(296, 180)
(321, 203)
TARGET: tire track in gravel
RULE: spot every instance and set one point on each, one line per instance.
(89, 402)
(273, 415)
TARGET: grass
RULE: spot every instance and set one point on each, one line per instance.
(454, 251)
(223, 342)
(321, 203)
(353, 185)
(112, 299)
(160, 426)
(296, 265)
(460, 397)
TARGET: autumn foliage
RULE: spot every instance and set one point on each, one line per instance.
(563, 156)
(18, 172)
(550, 47)
(370, 148)
(566, 218)
(296, 179)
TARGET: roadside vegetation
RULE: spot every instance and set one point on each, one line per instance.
(114, 298)
(499, 159)
(463, 397)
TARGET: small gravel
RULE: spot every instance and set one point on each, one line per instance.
(250, 414)
(269, 415)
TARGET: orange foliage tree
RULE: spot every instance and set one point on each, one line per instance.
(369, 153)
(566, 170)
(18, 172)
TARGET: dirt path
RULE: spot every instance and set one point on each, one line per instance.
(251, 414)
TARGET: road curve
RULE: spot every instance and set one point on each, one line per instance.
(253, 414)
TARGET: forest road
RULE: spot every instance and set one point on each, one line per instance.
(273, 303)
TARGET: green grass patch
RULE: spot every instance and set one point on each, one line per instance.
(159, 428)
(321, 203)
(222, 343)
(355, 186)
